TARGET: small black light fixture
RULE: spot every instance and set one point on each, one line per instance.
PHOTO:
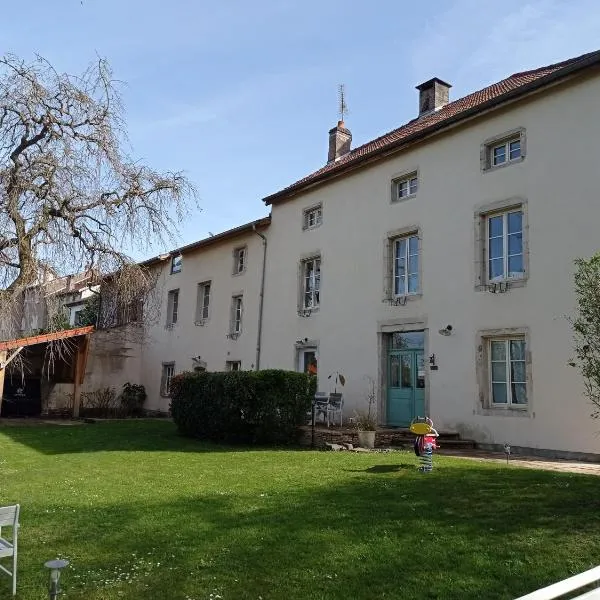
(55, 566)
(446, 331)
(432, 364)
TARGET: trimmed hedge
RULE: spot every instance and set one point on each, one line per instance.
(248, 407)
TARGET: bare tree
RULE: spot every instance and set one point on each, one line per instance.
(71, 197)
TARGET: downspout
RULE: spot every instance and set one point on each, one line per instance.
(261, 297)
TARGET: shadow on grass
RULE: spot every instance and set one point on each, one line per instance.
(460, 533)
(109, 436)
(378, 469)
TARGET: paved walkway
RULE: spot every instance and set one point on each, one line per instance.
(531, 462)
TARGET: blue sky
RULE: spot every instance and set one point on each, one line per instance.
(241, 94)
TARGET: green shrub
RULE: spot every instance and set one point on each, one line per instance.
(249, 407)
(133, 397)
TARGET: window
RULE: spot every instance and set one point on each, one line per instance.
(168, 370)
(405, 187)
(406, 265)
(239, 260)
(508, 376)
(311, 283)
(176, 264)
(503, 150)
(233, 365)
(203, 302)
(505, 246)
(172, 307)
(237, 309)
(312, 217)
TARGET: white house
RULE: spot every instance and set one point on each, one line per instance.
(438, 260)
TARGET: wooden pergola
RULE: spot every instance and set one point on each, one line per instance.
(11, 348)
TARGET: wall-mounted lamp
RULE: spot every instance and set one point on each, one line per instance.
(446, 331)
(432, 365)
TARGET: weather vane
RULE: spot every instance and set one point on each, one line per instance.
(343, 107)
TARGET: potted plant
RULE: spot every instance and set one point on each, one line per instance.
(366, 422)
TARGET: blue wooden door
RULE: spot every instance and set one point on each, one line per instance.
(406, 386)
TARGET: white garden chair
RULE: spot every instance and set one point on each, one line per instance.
(9, 517)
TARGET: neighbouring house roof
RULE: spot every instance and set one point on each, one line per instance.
(45, 337)
(492, 96)
(209, 241)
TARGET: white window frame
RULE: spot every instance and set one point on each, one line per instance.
(172, 307)
(506, 145)
(311, 279)
(233, 365)
(407, 254)
(237, 314)
(411, 182)
(167, 374)
(240, 256)
(312, 217)
(176, 264)
(508, 376)
(203, 302)
(506, 276)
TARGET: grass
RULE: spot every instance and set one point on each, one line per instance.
(142, 513)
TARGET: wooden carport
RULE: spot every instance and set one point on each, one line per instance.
(10, 349)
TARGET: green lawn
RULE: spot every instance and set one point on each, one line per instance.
(143, 513)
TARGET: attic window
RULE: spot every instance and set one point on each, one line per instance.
(503, 150)
(176, 262)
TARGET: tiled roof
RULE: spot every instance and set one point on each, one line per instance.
(516, 84)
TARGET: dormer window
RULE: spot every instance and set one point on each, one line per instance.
(176, 262)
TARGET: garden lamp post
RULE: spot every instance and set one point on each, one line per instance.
(55, 567)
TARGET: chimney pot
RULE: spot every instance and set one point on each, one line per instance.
(433, 95)
(340, 140)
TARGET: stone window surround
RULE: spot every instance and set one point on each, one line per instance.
(388, 262)
(483, 401)
(163, 392)
(485, 159)
(300, 280)
(200, 288)
(481, 214)
(306, 211)
(232, 314)
(171, 295)
(402, 176)
(235, 253)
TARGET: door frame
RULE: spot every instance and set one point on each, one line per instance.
(385, 329)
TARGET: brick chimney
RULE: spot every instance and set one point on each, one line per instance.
(433, 95)
(340, 139)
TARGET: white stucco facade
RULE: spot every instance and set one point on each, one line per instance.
(210, 343)
(556, 185)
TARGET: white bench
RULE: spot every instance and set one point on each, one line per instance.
(9, 517)
(568, 586)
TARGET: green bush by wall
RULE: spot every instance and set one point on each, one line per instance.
(249, 407)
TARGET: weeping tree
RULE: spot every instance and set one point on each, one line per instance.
(586, 327)
(72, 199)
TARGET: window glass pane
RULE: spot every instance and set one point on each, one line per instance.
(413, 185)
(515, 149)
(420, 371)
(515, 221)
(519, 393)
(517, 349)
(413, 244)
(498, 350)
(408, 339)
(515, 265)
(498, 371)
(499, 154)
(403, 188)
(413, 263)
(517, 371)
(413, 284)
(399, 285)
(400, 248)
(496, 248)
(515, 243)
(406, 370)
(495, 226)
(499, 393)
(395, 371)
(496, 269)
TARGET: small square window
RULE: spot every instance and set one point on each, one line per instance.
(176, 263)
(503, 150)
(239, 260)
(405, 187)
(312, 217)
(233, 365)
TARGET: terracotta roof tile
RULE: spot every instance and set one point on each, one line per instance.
(448, 113)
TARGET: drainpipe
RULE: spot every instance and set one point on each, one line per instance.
(261, 297)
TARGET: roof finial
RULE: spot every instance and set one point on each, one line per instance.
(343, 107)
